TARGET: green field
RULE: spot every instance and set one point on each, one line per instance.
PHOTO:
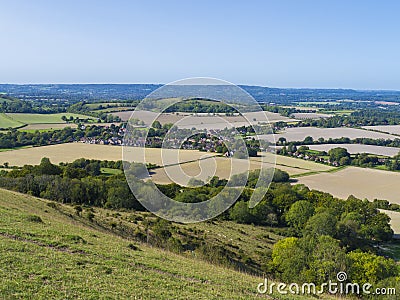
(110, 171)
(47, 251)
(8, 122)
(42, 118)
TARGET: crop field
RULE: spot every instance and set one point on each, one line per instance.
(360, 182)
(203, 169)
(359, 148)
(203, 121)
(391, 129)
(395, 220)
(299, 133)
(42, 118)
(72, 151)
(207, 168)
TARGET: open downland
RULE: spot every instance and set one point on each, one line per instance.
(360, 182)
(7, 122)
(64, 256)
(71, 151)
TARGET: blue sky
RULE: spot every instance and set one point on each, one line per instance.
(329, 44)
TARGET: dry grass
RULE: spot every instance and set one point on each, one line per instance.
(204, 169)
(48, 126)
(294, 163)
(71, 151)
(393, 129)
(221, 167)
(362, 183)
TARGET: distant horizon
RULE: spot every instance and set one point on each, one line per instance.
(238, 84)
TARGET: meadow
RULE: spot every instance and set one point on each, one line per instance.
(360, 182)
(43, 118)
(37, 121)
(7, 122)
(58, 254)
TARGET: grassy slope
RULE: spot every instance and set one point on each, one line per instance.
(66, 257)
(7, 122)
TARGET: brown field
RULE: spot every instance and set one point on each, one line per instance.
(203, 169)
(204, 121)
(48, 126)
(72, 151)
(359, 148)
(395, 220)
(299, 133)
(360, 182)
(392, 129)
(222, 168)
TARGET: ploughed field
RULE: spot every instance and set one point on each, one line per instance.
(392, 129)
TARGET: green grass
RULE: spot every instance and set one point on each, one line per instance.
(7, 122)
(110, 171)
(391, 249)
(40, 130)
(16, 148)
(47, 251)
(42, 118)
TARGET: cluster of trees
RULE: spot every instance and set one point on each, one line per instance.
(13, 105)
(341, 157)
(82, 108)
(15, 138)
(343, 140)
(79, 183)
(362, 117)
(327, 235)
(200, 106)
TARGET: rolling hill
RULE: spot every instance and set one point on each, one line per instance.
(48, 251)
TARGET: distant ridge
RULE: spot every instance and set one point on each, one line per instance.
(80, 92)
